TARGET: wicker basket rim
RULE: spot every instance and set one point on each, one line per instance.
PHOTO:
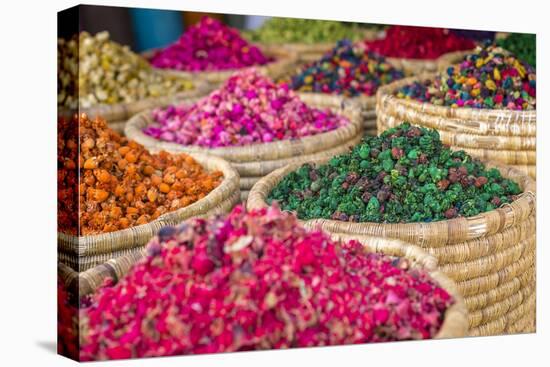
(260, 149)
(386, 92)
(107, 111)
(256, 199)
(455, 322)
(281, 57)
(430, 61)
(230, 183)
(360, 100)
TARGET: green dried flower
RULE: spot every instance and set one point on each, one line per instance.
(404, 175)
(309, 31)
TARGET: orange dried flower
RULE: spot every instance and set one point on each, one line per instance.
(120, 184)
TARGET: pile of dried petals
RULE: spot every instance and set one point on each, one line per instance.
(121, 184)
(258, 280)
(96, 70)
(403, 175)
(209, 45)
(307, 31)
(487, 78)
(248, 108)
(347, 70)
(418, 42)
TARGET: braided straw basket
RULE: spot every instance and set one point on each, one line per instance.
(365, 104)
(491, 256)
(85, 252)
(305, 53)
(117, 114)
(455, 324)
(283, 60)
(419, 66)
(503, 136)
(309, 52)
(257, 160)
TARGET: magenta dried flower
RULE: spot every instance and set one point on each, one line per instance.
(207, 46)
(258, 280)
(248, 108)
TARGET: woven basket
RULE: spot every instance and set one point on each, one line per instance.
(283, 60)
(455, 324)
(310, 52)
(365, 104)
(491, 256)
(305, 53)
(503, 136)
(419, 66)
(117, 114)
(256, 160)
(85, 252)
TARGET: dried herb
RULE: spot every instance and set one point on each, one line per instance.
(488, 78)
(257, 280)
(404, 175)
(94, 70)
(120, 184)
(418, 42)
(523, 45)
(209, 45)
(308, 31)
(348, 70)
(248, 108)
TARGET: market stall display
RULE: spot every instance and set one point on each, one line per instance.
(114, 195)
(486, 105)
(477, 220)
(417, 49)
(211, 51)
(251, 274)
(346, 73)
(103, 78)
(242, 186)
(253, 123)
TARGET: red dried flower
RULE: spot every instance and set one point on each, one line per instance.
(258, 280)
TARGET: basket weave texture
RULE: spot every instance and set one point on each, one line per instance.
(85, 252)
(455, 324)
(490, 256)
(503, 136)
(257, 160)
(420, 66)
(117, 114)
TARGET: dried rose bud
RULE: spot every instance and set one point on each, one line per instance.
(480, 181)
(451, 213)
(366, 197)
(274, 285)
(414, 132)
(313, 175)
(453, 177)
(443, 184)
(423, 158)
(382, 196)
(397, 152)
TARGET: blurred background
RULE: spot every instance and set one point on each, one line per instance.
(143, 29)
